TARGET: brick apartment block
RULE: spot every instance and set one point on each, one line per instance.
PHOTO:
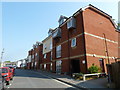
(88, 36)
(35, 56)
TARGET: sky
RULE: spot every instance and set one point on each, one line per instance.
(24, 23)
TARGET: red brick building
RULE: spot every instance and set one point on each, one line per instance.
(88, 36)
(46, 63)
(35, 56)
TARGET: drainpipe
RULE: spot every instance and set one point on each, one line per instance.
(70, 72)
(106, 48)
(86, 71)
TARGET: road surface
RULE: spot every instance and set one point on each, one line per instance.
(31, 79)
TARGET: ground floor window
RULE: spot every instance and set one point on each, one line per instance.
(35, 63)
(32, 64)
(58, 66)
(44, 66)
(51, 66)
(40, 66)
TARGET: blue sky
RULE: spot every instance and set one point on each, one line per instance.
(24, 23)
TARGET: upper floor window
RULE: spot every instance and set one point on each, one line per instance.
(32, 56)
(58, 51)
(50, 45)
(51, 56)
(71, 23)
(45, 55)
(62, 19)
(57, 33)
(45, 46)
(73, 42)
(44, 66)
(36, 54)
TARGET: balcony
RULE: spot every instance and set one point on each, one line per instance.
(57, 33)
(71, 24)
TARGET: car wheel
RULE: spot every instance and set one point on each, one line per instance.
(11, 78)
(7, 83)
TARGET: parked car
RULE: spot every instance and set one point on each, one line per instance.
(12, 69)
(7, 73)
(2, 81)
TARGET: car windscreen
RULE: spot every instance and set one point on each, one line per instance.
(4, 70)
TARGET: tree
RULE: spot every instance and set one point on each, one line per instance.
(7, 61)
(94, 69)
(118, 26)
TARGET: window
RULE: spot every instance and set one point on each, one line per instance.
(57, 33)
(45, 55)
(73, 42)
(58, 66)
(35, 63)
(36, 54)
(44, 66)
(51, 56)
(58, 51)
(40, 66)
(51, 66)
(32, 56)
(61, 21)
(32, 64)
(51, 46)
(29, 58)
(71, 23)
(45, 46)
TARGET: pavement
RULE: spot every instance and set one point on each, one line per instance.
(88, 84)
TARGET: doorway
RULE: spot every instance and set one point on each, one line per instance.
(102, 64)
(75, 66)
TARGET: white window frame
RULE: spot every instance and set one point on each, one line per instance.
(45, 46)
(44, 66)
(58, 51)
(73, 43)
(71, 23)
(45, 55)
(58, 66)
(40, 66)
(51, 66)
(35, 63)
(51, 46)
(51, 56)
(36, 54)
(32, 56)
(61, 21)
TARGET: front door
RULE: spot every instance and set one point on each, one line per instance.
(75, 66)
(102, 64)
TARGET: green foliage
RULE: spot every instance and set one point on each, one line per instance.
(7, 61)
(94, 69)
(118, 27)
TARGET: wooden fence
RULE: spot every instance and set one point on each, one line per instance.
(114, 74)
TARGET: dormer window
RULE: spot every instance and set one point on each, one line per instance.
(71, 24)
(50, 31)
(57, 33)
(62, 19)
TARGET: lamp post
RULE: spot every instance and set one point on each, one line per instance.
(2, 55)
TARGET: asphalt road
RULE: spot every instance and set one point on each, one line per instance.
(31, 79)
